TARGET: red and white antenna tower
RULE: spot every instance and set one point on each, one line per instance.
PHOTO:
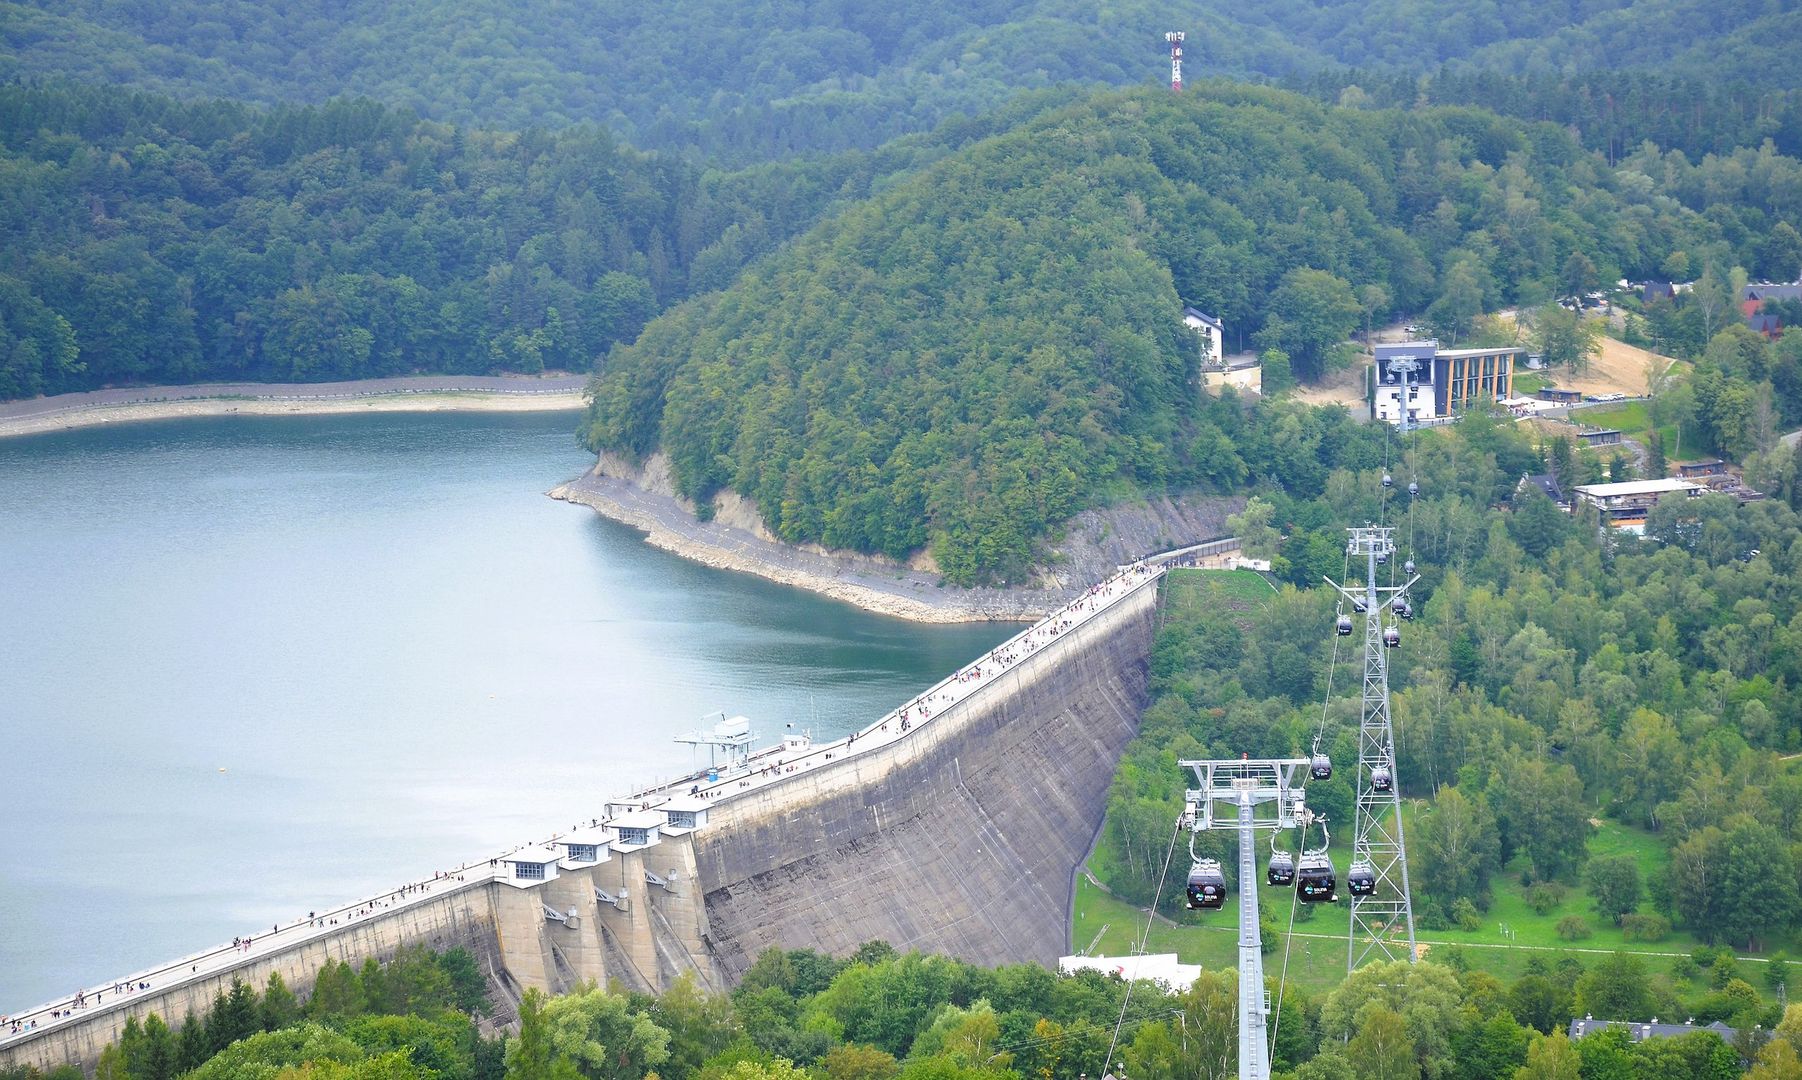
(1175, 38)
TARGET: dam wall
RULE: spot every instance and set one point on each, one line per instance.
(954, 825)
(961, 838)
(460, 917)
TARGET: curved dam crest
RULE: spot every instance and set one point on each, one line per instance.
(959, 835)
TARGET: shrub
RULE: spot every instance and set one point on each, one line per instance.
(1645, 927)
(1573, 928)
(1464, 913)
(1685, 969)
(1544, 897)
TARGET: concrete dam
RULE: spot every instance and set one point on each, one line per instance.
(954, 824)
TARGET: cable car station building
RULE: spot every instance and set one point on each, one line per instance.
(1443, 382)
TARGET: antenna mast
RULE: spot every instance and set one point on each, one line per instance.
(1175, 38)
(1382, 913)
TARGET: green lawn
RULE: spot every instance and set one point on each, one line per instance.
(1189, 586)
(1528, 383)
(1632, 420)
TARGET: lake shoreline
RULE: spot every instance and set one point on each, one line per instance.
(736, 540)
(412, 394)
(1089, 548)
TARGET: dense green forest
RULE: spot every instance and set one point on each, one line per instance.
(153, 241)
(989, 346)
(1554, 676)
(742, 81)
(1614, 111)
(878, 1015)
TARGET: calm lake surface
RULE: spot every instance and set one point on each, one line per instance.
(255, 666)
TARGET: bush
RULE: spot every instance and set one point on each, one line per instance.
(1645, 927)
(1776, 973)
(1573, 928)
(1684, 969)
(1465, 914)
(1544, 897)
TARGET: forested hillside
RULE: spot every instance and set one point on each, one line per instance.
(880, 1015)
(759, 80)
(994, 344)
(146, 240)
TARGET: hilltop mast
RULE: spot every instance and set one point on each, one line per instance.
(1175, 38)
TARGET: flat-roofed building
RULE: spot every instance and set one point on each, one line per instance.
(1444, 382)
(1625, 505)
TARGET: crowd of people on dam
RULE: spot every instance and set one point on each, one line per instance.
(941, 697)
(243, 943)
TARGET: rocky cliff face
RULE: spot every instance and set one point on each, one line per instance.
(643, 495)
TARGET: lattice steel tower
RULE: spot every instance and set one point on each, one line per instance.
(1382, 917)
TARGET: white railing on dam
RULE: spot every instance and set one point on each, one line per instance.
(773, 764)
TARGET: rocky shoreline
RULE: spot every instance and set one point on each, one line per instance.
(643, 497)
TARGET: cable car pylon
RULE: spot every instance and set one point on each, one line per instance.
(1382, 911)
(1245, 785)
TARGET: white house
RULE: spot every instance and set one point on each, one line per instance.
(1213, 334)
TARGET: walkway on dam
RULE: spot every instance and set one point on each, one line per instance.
(762, 769)
(223, 958)
(773, 764)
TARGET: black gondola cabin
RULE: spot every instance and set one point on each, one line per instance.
(1207, 885)
(1314, 882)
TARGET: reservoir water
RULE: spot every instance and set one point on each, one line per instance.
(251, 667)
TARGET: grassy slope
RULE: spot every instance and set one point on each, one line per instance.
(1632, 420)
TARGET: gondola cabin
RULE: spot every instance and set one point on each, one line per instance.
(1391, 636)
(1281, 870)
(1320, 767)
(1314, 882)
(1381, 780)
(1403, 608)
(1207, 884)
(1344, 626)
(1361, 878)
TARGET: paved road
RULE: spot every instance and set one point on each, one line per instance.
(423, 384)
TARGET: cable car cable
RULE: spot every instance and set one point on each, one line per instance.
(1150, 914)
(1276, 1021)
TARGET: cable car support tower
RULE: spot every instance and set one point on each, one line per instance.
(1245, 785)
(1382, 919)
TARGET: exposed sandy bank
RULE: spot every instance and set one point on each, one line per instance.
(644, 497)
(424, 394)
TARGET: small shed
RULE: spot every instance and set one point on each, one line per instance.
(1599, 437)
(637, 830)
(531, 866)
(1691, 470)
